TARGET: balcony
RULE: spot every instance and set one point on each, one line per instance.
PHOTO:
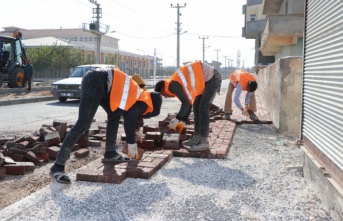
(271, 7)
(254, 28)
(281, 30)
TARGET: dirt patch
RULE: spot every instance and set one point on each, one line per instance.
(15, 188)
(24, 94)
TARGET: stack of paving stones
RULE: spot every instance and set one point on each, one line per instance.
(160, 144)
(22, 154)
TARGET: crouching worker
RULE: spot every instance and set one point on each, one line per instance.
(241, 81)
(194, 84)
(118, 95)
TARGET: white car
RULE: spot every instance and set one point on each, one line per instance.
(71, 87)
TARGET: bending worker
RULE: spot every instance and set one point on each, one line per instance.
(194, 84)
(118, 95)
(242, 81)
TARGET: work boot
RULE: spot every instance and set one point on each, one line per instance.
(226, 116)
(194, 140)
(202, 146)
(253, 117)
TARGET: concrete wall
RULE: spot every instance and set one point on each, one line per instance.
(291, 50)
(280, 90)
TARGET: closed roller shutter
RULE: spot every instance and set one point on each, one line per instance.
(323, 78)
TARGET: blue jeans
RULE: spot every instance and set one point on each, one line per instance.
(202, 105)
(94, 93)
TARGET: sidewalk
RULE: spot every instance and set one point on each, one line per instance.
(259, 179)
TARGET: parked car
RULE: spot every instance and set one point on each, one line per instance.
(70, 87)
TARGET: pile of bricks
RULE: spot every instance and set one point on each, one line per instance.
(21, 154)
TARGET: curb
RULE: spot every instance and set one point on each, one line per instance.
(26, 100)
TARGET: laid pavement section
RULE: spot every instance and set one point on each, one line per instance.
(253, 182)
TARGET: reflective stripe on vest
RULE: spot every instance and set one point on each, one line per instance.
(124, 91)
(184, 82)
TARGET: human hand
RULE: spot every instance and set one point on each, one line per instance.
(180, 126)
(173, 123)
(245, 112)
(132, 151)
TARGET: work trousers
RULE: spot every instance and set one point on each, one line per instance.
(28, 80)
(202, 105)
(228, 100)
(94, 93)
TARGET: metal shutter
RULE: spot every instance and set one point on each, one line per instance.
(323, 78)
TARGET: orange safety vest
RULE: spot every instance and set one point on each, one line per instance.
(124, 91)
(191, 78)
(146, 98)
(241, 76)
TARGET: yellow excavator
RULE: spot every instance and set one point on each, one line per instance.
(12, 60)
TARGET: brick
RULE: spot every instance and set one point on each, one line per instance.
(9, 160)
(33, 158)
(53, 138)
(53, 151)
(29, 166)
(155, 136)
(83, 140)
(43, 157)
(95, 143)
(25, 143)
(38, 148)
(81, 153)
(171, 140)
(149, 129)
(146, 144)
(2, 173)
(62, 130)
(114, 176)
(163, 123)
(16, 151)
(88, 175)
(17, 157)
(15, 169)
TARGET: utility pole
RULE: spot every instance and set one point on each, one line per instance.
(203, 47)
(178, 32)
(217, 50)
(97, 13)
(225, 63)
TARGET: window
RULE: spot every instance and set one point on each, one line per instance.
(252, 17)
(90, 39)
(81, 38)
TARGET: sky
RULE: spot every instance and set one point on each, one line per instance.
(144, 26)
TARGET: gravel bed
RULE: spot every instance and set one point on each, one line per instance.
(252, 183)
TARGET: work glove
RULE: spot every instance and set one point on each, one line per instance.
(245, 111)
(139, 135)
(173, 124)
(132, 151)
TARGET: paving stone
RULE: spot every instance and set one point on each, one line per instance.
(94, 143)
(15, 169)
(53, 151)
(82, 153)
(171, 141)
(2, 173)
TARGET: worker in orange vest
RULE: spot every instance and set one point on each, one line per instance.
(241, 80)
(195, 85)
(119, 95)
